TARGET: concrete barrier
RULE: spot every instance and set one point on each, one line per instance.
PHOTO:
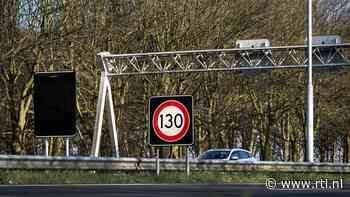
(146, 164)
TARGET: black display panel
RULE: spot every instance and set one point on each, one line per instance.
(54, 104)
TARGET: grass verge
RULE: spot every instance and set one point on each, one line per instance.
(116, 177)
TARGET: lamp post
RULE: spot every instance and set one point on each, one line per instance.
(310, 95)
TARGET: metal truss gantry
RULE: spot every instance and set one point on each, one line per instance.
(324, 56)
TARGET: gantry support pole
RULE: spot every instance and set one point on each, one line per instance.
(105, 91)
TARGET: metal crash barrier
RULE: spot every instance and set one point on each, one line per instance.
(147, 164)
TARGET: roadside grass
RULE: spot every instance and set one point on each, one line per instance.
(120, 177)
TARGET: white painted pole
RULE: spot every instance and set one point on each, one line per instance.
(310, 95)
(67, 146)
(187, 162)
(157, 163)
(99, 116)
(113, 132)
(46, 139)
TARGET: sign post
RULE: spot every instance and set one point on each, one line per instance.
(67, 146)
(46, 140)
(187, 162)
(171, 123)
(157, 163)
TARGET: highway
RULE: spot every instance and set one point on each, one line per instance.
(157, 190)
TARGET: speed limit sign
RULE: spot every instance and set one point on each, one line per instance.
(170, 120)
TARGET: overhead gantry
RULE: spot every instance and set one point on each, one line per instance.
(328, 52)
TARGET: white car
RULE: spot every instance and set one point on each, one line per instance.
(235, 154)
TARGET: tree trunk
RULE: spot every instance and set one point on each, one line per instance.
(346, 146)
(322, 149)
(285, 131)
(268, 146)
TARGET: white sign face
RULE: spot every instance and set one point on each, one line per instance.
(171, 121)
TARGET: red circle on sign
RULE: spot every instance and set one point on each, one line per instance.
(182, 132)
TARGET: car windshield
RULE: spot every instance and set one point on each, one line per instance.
(215, 155)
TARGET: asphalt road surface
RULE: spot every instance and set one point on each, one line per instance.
(155, 190)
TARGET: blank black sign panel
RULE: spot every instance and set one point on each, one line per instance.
(54, 104)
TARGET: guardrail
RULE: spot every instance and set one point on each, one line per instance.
(146, 164)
